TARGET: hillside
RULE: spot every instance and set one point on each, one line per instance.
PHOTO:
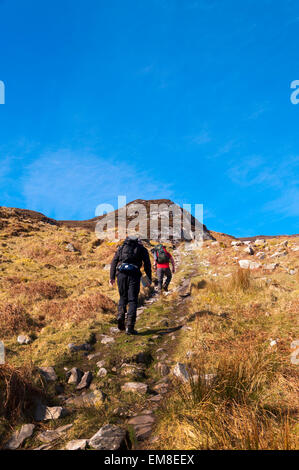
(214, 364)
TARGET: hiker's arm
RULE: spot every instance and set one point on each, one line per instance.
(113, 267)
(147, 265)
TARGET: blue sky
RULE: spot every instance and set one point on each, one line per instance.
(180, 99)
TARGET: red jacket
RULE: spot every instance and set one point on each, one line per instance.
(166, 265)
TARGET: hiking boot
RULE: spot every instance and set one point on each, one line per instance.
(121, 324)
(131, 331)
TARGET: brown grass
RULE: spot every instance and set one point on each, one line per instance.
(35, 290)
(240, 280)
(13, 319)
(17, 391)
(80, 309)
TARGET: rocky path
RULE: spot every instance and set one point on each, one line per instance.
(149, 377)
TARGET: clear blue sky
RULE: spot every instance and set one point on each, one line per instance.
(183, 99)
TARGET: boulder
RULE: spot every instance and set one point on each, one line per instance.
(135, 387)
(48, 373)
(247, 264)
(180, 372)
(74, 376)
(107, 339)
(109, 437)
(45, 413)
(50, 435)
(142, 425)
(94, 398)
(23, 339)
(76, 444)
(20, 436)
(85, 381)
(102, 372)
(259, 242)
(249, 250)
(271, 266)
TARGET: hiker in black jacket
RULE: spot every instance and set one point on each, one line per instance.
(126, 266)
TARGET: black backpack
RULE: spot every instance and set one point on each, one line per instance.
(130, 252)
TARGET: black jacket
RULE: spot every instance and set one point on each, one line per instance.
(143, 258)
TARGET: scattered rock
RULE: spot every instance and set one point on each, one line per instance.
(247, 264)
(50, 435)
(162, 369)
(109, 437)
(74, 376)
(94, 398)
(85, 381)
(135, 387)
(114, 330)
(107, 339)
(19, 437)
(45, 413)
(23, 339)
(236, 243)
(81, 347)
(70, 247)
(271, 266)
(260, 255)
(94, 355)
(48, 373)
(142, 425)
(180, 371)
(249, 250)
(259, 242)
(102, 372)
(76, 444)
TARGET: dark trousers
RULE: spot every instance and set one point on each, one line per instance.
(128, 288)
(161, 272)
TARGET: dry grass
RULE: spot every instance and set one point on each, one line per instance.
(17, 391)
(13, 319)
(78, 310)
(240, 280)
(36, 290)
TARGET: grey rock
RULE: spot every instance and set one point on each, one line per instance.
(102, 372)
(107, 339)
(81, 347)
(70, 247)
(24, 339)
(44, 413)
(74, 376)
(19, 437)
(247, 264)
(180, 372)
(94, 355)
(76, 444)
(135, 387)
(50, 435)
(109, 437)
(94, 398)
(142, 426)
(48, 373)
(162, 369)
(271, 266)
(85, 381)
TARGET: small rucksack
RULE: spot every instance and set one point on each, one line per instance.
(161, 256)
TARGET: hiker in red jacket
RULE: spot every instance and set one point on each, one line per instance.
(162, 259)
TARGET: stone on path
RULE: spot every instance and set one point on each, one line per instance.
(95, 398)
(94, 355)
(180, 372)
(24, 339)
(44, 413)
(85, 381)
(50, 435)
(247, 264)
(74, 376)
(109, 437)
(107, 339)
(48, 373)
(20, 436)
(142, 425)
(135, 387)
(76, 444)
(102, 372)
